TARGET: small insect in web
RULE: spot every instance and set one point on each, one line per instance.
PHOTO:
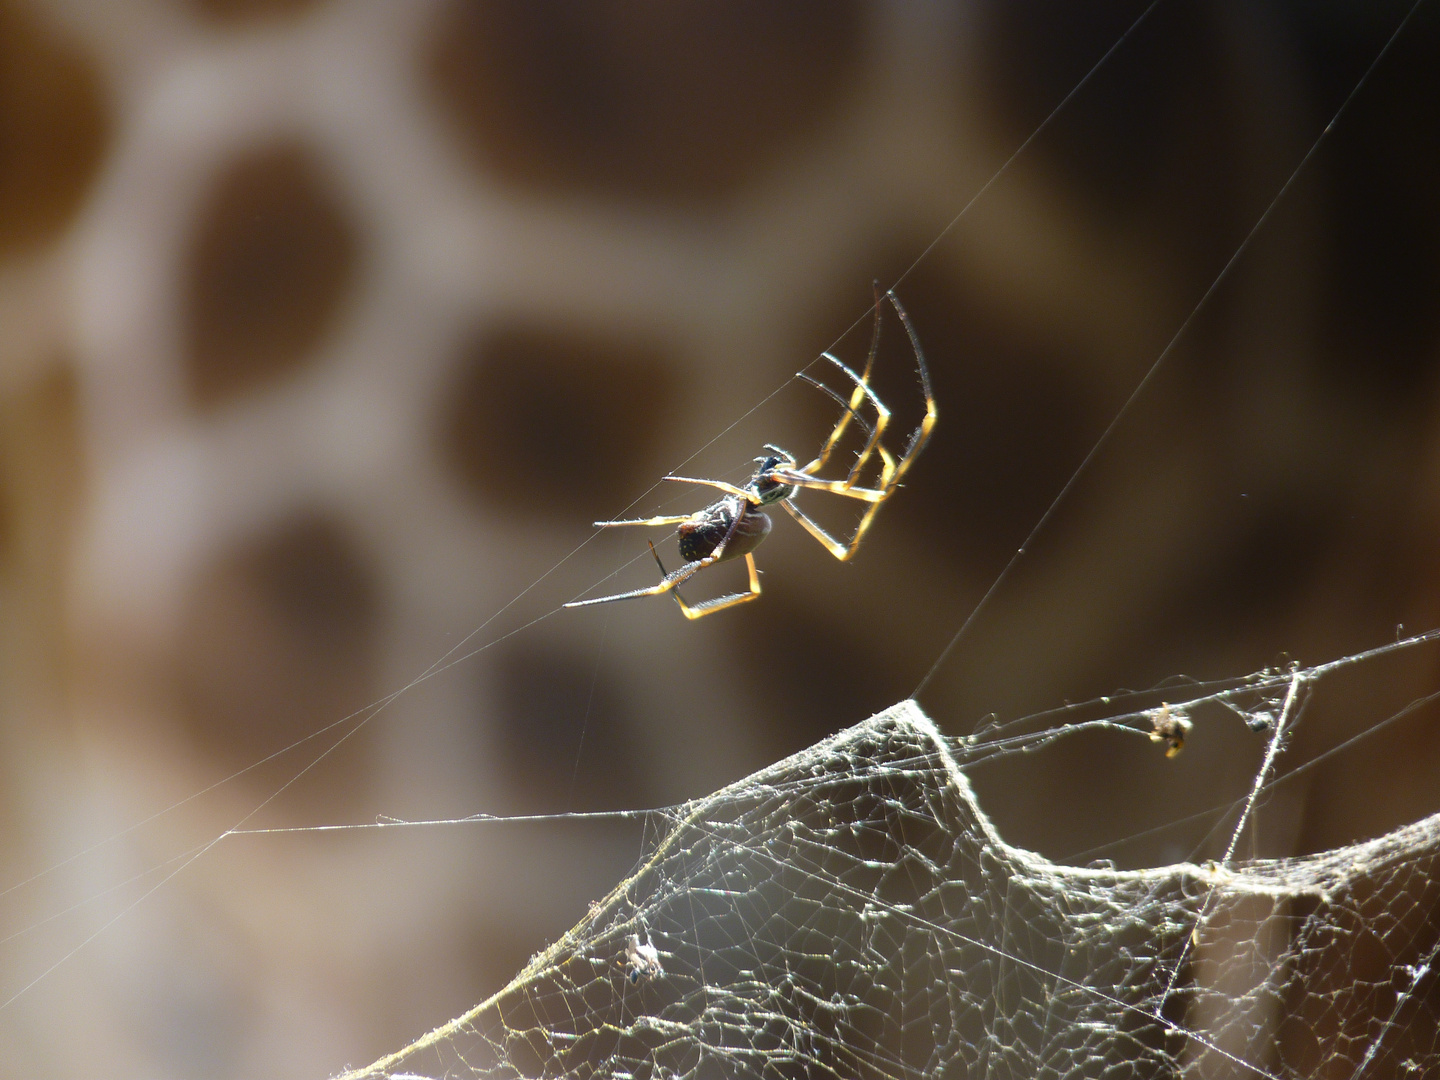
(1170, 726)
(642, 959)
(734, 526)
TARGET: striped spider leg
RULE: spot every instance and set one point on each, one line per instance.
(892, 469)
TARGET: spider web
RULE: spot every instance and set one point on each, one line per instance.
(851, 912)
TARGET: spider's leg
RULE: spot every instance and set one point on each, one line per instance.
(862, 383)
(835, 547)
(873, 496)
(861, 392)
(668, 582)
(872, 443)
(675, 520)
(835, 487)
(857, 397)
(665, 573)
(720, 603)
(891, 471)
(850, 411)
(685, 573)
(921, 435)
(882, 419)
(871, 434)
(729, 489)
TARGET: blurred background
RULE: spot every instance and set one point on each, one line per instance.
(326, 329)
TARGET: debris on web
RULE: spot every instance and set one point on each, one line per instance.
(850, 912)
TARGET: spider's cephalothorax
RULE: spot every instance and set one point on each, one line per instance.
(735, 525)
(766, 488)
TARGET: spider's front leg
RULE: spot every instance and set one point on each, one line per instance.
(892, 469)
(851, 409)
(874, 497)
(874, 432)
(729, 489)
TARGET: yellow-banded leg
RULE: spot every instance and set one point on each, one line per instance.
(857, 397)
(872, 442)
(720, 603)
(891, 472)
(678, 577)
(669, 581)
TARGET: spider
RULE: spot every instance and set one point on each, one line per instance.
(735, 525)
(1169, 724)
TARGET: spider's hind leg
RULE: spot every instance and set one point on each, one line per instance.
(685, 573)
(720, 603)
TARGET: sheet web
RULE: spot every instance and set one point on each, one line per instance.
(852, 912)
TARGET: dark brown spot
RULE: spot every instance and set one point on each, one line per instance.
(53, 129)
(1116, 141)
(562, 733)
(7, 509)
(278, 641)
(643, 101)
(832, 677)
(548, 422)
(39, 480)
(1381, 328)
(243, 11)
(271, 261)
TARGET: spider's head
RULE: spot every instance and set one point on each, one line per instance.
(766, 487)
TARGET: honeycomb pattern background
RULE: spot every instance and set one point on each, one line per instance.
(327, 328)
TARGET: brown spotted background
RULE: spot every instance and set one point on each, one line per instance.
(327, 328)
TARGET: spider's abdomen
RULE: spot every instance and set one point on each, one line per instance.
(701, 535)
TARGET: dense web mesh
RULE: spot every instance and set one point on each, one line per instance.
(851, 912)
